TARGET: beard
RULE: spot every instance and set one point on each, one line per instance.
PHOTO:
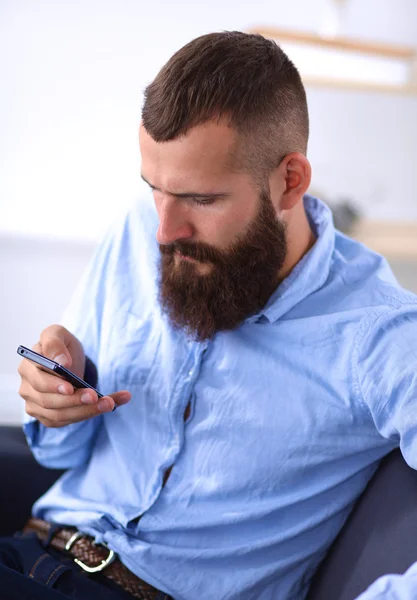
(235, 283)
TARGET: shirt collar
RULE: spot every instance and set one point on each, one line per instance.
(311, 272)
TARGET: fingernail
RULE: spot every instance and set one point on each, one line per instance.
(103, 405)
(61, 359)
(87, 399)
(63, 390)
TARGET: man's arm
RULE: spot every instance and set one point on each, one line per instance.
(385, 365)
(60, 427)
(386, 376)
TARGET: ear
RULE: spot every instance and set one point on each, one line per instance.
(289, 181)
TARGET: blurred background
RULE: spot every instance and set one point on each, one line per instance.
(72, 78)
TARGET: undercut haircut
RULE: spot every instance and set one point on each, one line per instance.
(242, 79)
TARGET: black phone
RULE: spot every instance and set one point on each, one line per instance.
(50, 366)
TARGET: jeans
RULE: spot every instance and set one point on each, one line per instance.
(31, 571)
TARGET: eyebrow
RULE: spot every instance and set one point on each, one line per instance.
(189, 194)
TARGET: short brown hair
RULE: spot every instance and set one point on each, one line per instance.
(244, 78)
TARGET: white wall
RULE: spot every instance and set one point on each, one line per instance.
(72, 76)
(37, 277)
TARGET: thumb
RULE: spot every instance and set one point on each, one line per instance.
(55, 345)
(121, 397)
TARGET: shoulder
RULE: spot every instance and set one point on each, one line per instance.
(369, 286)
(362, 280)
(385, 349)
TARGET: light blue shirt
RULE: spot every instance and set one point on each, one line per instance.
(290, 414)
(394, 587)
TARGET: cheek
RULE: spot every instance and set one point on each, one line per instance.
(222, 229)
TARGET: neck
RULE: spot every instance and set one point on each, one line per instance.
(300, 239)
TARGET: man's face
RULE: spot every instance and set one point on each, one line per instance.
(220, 240)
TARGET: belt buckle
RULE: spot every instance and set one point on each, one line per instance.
(104, 563)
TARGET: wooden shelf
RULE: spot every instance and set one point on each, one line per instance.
(340, 43)
(393, 239)
(360, 86)
(403, 55)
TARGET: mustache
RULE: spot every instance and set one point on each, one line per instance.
(198, 251)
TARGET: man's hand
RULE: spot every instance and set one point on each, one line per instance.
(50, 399)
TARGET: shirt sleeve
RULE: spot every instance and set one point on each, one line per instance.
(393, 587)
(386, 372)
(70, 446)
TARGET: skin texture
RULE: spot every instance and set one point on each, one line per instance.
(201, 162)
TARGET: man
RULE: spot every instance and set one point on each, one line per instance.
(268, 360)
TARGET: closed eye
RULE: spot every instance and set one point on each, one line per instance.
(199, 199)
(203, 201)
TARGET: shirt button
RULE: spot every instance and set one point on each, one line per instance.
(190, 373)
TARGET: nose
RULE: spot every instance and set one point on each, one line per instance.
(174, 224)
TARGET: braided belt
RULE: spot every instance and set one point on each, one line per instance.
(93, 558)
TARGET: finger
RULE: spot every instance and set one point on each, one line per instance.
(44, 382)
(57, 401)
(51, 392)
(54, 342)
(56, 410)
(122, 397)
(65, 416)
(81, 397)
(56, 418)
(64, 358)
(25, 367)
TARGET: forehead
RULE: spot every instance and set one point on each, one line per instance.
(207, 151)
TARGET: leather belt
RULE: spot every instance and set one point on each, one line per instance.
(93, 558)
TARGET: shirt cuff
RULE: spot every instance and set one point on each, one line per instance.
(33, 430)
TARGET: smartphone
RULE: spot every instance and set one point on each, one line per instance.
(50, 366)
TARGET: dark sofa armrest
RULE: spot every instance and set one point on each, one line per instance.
(379, 536)
(22, 479)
